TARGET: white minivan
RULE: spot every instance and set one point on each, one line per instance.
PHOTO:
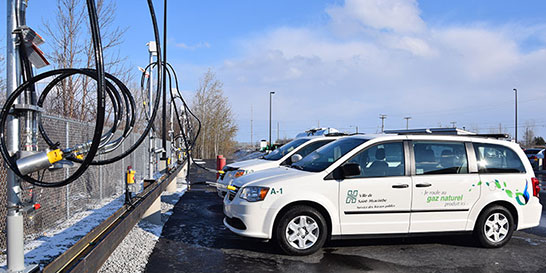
(389, 185)
(282, 156)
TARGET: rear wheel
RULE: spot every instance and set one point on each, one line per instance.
(301, 230)
(494, 227)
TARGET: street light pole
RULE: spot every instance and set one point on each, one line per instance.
(516, 115)
(270, 99)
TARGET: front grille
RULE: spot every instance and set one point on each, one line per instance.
(232, 193)
(236, 223)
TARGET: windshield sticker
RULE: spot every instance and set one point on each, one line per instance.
(522, 198)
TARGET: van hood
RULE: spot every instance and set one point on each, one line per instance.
(270, 176)
(254, 164)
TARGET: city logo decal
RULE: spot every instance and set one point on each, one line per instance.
(351, 196)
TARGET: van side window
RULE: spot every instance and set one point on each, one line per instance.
(440, 157)
(386, 159)
(497, 159)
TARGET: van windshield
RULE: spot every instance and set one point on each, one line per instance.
(285, 149)
(325, 156)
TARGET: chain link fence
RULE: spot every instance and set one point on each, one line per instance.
(97, 184)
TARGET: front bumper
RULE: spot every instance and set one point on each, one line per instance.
(257, 219)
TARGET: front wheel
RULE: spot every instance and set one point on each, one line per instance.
(494, 227)
(301, 230)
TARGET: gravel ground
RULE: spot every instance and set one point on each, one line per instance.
(133, 252)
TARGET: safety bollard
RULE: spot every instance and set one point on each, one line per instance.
(129, 182)
(220, 163)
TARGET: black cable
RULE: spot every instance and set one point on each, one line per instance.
(103, 87)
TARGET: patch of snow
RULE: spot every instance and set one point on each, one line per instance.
(55, 241)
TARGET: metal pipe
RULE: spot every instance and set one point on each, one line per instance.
(15, 247)
(164, 66)
(151, 147)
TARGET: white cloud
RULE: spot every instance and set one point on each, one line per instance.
(400, 16)
(194, 46)
(392, 63)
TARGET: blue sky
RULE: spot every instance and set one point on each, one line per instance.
(342, 63)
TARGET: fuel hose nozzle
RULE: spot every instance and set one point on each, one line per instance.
(39, 161)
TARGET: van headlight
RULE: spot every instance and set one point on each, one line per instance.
(253, 193)
(240, 173)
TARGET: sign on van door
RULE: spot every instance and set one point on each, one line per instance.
(443, 191)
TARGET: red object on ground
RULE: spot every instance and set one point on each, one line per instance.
(37, 206)
(220, 163)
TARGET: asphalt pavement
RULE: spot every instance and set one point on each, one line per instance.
(195, 240)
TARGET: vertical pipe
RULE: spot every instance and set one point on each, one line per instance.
(15, 247)
(67, 172)
(150, 109)
(164, 66)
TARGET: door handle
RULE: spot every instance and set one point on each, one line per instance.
(423, 185)
(400, 186)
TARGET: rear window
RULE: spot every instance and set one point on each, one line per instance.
(497, 159)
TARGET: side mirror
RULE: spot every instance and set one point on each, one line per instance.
(351, 169)
(295, 158)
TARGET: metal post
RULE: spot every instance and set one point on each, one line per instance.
(100, 179)
(164, 73)
(152, 48)
(251, 129)
(67, 172)
(382, 117)
(15, 252)
(270, 98)
(407, 122)
(516, 115)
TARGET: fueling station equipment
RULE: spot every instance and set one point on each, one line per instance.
(24, 106)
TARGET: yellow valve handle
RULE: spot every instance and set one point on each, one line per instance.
(221, 172)
(55, 156)
(230, 187)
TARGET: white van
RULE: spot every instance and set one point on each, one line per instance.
(389, 185)
(280, 157)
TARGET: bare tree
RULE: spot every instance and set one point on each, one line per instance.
(218, 123)
(529, 133)
(71, 47)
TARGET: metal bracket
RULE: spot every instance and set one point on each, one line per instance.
(20, 109)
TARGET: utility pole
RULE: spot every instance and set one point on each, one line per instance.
(251, 129)
(277, 131)
(270, 98)
(382, 117)
(407, 122)
(516, 115)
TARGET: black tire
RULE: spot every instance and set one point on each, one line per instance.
(481, 228)
(311, 215)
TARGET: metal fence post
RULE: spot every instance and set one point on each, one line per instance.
(67, 172)
(100, 181)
